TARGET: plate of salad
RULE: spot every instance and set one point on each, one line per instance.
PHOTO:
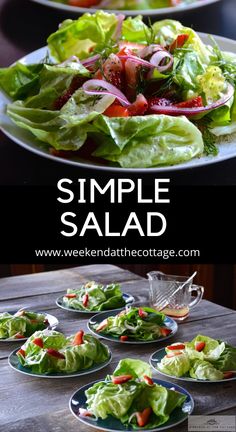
(133, 325)
(203, 359)
(116, 94)
(50, 354)
(131, 400)
(16, 326)
(94, 297)
(127, 7)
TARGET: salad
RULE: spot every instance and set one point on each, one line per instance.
(50, 351)
(203, 358)
(94, 297)
(131, 396)
(134, 323)
(127, 4)
(21, 324)
(121, 92)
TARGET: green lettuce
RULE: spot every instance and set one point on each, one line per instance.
(20, 80)
(212, 350)
(227, 359)
(25, 324)
(204, 370)
(134, 367)
(178, 365)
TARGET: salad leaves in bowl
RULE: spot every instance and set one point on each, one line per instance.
(51, 354)
(94, 297)
(131, 400)
(19, 325)
(119, 94)
(202, 359)
(133, 325)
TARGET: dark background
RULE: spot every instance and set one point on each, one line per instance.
(24, 27)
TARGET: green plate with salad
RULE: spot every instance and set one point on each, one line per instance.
(117, 94)
(127, 7)
(94, 297)
(131, 400)
(201, 360)
(133, 325)
(18, 325)
(50, 354)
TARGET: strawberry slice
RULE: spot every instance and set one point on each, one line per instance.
(124, 338)
(176, 347)
(116, 110)
(143, 417)
(102, 325)
(85, 300)
(78, 338)
(114, 71)
(121, 379)
(54, 353)
(19, 336)
(142, 313)
(38, 342)
(199, 346)
(173, 354)
(148, 380)
(139, 107)
(21, 352)
(69, 296)
(165, 331)
(191, 103)
(228, 375)
(178, 42)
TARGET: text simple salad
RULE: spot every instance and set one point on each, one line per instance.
(94, 297)
(131, 396)
(50, 351)
(135, 323)
(21, 324)
(203, 358)
(127, 4)
(121, 92)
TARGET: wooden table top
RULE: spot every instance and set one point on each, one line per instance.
(40, 405)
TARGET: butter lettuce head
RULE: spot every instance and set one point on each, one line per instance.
(227, 359)
(204, 370)
(212, 350)
(134, 367)
(25, 325)
(178, 365)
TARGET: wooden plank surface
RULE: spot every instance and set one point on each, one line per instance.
(42, 404)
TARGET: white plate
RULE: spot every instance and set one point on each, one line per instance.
(53, 323)
(227, 149)
(147, 12)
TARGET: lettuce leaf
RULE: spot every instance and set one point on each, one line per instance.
(20, 80)
(204, 370)
(134, 367)
(25, 324)
(227, 359)
(177, 366)
(212, 350)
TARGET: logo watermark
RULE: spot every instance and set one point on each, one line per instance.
(213, 423)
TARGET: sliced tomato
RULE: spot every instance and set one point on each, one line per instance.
(121, 379)
(83, 3)
(139, 107)
(102, 325)
(191, 103)
(142, 313)
(178, 42)
(85, 300)
(78, 338)
(38, 342)
(165, 331)
(19, 336)
(98, 75)
(115, 110)
(228, 375)
(176, 347)
(21, 352)
(148, 380)
(199, 346)
(173, 354)
(70, 296)
(55, 353)
(143, 417)
(124, 338)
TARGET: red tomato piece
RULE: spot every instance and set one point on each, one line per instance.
(55, 353)
(85, 300)
(79, 338)
(178, 42)
(70, 295)
(142, 313)
(115, 110)
(21, 352)
(121, 379)
(143, 417)
(176, 347)
(148, 380)
(38, 342)
(199, 346)
(165, 331)
(124, 338)
(191, 103)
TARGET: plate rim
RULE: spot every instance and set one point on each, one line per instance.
(39, 151)
(186, 379)
(128, 12)
(71, 375)
(131, 342)
(115, 430)
(132, 301)
(9, 340)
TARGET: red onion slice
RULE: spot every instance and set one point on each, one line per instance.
(90, 87)
(90, 60)
(137, 60)
(149, 50)
(188, 112)
(157, 59)
(117, 33)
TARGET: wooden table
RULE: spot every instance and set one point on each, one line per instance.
(41, 405)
